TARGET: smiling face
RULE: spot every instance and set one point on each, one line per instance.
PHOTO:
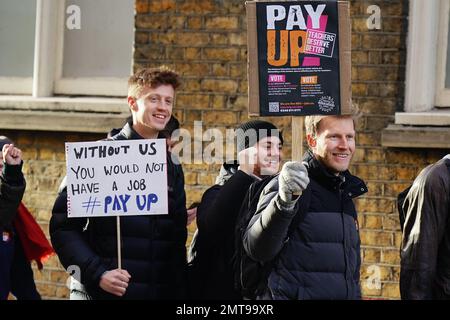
(152, 110)
(334, 143)
(268, 156)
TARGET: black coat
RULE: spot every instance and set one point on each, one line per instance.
(12, 187)
(216, 218)
(320, 259)
(425, 251)
(153, 247)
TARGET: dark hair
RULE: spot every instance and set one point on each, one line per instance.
(4, 140)
(249, 133)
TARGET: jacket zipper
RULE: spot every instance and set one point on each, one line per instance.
(341, 200)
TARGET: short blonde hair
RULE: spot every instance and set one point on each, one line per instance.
(312, 123)
(152, 77)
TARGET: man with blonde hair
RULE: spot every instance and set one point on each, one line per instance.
(306, 224)
(153, 255)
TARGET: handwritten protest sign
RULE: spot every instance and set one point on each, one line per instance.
(116, 178)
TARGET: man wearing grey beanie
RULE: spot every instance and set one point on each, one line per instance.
(259, 146)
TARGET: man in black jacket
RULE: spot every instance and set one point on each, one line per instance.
(153, 254)
(320, 257)
(425, 251)
(259, 152)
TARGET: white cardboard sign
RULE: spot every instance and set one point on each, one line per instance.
(116, 178)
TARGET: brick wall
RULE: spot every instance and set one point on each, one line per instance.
(206, 41)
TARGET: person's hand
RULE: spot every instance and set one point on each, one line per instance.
(247, 159)
(191, 215)
(115, 281)
(293, 179)
(11, 154)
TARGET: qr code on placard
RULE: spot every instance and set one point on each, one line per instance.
(274, 107)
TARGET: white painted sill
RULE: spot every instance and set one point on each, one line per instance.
(427, 129)
(68, 114)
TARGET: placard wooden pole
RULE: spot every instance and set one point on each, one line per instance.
(119, 251)
(297, 138)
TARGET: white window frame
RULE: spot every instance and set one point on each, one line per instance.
(37, 107)
(47, 77)
(45, 46)
(428, 26)
(50, 48)
(16, 85)
(442, 97)
(421, 55)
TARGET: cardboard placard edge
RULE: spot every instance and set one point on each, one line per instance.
(345, 57)
(252, 60)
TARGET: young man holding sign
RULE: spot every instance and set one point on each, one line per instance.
(153, 246)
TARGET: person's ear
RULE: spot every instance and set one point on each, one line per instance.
(312, 141)
(132, 103)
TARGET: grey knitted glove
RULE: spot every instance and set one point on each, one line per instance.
(293, 179)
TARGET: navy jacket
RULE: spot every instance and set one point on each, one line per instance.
(153, 247)
(321, 257)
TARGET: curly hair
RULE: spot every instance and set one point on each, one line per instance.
(152, 77)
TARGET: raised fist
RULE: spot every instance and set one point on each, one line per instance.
(11, 154)
(293, 179)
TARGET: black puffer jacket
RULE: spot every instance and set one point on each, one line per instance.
(12, 187)
(153, 247)
(425, 251)
(321, 257)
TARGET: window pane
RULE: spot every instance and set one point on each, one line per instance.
(17, 25)
(102, 47)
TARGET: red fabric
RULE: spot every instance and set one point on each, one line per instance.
(35, 244)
